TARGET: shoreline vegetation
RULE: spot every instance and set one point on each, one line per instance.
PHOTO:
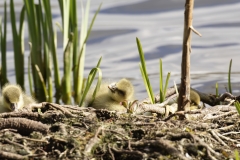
(175, 129)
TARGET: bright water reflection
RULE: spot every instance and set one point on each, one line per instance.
(159, 26)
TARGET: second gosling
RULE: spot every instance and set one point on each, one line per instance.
(13, 98)
(195, 99)
(111, 96)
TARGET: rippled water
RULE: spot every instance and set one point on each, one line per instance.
(159, 26)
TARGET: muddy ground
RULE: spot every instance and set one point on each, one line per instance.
(70, 132)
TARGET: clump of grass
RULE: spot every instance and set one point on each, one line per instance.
(163, 90)
(43, 60)
(142, 65)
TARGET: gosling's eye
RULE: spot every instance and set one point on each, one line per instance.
(114, 87)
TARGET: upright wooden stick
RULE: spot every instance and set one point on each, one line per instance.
(184, 94)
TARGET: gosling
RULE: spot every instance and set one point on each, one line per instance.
(195, 100)
(111, 96)
(13, 98)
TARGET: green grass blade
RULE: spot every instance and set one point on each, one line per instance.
(89, 83)
(3, 48)
(30, 79)
(90, 79)
(32, 25)
(98, 65)
(74, 29)
(144, 72)
(217, 94)
(21, 27)
(48, 38)
(0, 73)
(229, 77)
(33, 17)
(1, 51)
(146, 84)
(161, 92)
(56, 68)
(237, 105)
(66, 82)
(60, 2)
(85, 38)
(48, 73)
(65, 21)
(42, 81)
(166, 84)
(18, 46)
(92, 22)
(52, 45)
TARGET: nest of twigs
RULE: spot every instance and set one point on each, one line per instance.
(55, 131)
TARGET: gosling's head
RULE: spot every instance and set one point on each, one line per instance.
(12, 97)
(122, 90)
(195, 99)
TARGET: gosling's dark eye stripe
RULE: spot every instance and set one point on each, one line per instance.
(121, 92)
(7, 100)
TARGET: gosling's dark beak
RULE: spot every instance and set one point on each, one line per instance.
(13, 106)
(112, 87)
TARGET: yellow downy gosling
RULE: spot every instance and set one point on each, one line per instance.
(111, 96)
(13, 98)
